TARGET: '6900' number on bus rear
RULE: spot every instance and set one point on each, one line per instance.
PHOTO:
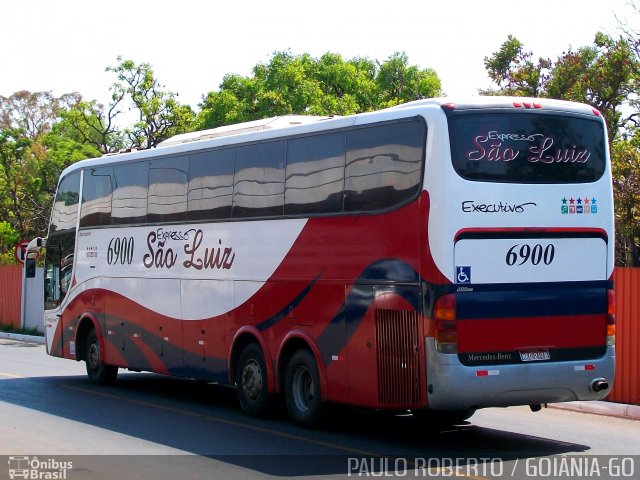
(538, 254)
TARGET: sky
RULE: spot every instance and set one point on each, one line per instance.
(64, 46)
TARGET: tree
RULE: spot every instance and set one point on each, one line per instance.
(92, 129)
(15, 180)
(159, 113)
(33, 112)
(605, 75)
(626, 182)
(398, 82)
(301, 84)
(27, 177)
(514, 71)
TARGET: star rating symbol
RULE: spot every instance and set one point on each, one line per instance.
(586, 201)
(571, 201)
(564, 201)
(579, 201)
(593, 201)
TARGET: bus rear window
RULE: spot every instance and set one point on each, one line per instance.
(527, 147)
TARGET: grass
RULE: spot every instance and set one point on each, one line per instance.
(22, 331)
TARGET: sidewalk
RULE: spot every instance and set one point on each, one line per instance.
(22, 338)
(610, 409)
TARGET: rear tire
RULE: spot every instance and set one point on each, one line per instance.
(302, 393)
(251, 382)
(98, 372)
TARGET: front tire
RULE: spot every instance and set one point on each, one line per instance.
(302, 393)
(98, 372)
(251, 382)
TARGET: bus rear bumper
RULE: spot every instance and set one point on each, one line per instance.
(453, 386)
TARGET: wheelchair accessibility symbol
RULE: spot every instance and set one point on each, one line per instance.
(463, 274)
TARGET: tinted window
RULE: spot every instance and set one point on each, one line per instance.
(211, 185)
(315, 174)
(258, 189)
(129, 203)
(527, 147)
(65, 207)
(61, 240)
(167, 200)
(384, 165)
(96, 197)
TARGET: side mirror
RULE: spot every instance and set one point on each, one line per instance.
(30, 267)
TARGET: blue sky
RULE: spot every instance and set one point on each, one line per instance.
(65, 45)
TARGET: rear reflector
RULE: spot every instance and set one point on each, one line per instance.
(611, 317)
(444, 315)
(584, 368)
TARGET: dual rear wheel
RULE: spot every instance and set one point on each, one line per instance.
(301, 388)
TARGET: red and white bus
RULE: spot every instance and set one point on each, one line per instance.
(431, 256)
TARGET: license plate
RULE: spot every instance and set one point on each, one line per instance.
(534, 355)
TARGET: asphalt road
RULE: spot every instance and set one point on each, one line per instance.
(148, 426)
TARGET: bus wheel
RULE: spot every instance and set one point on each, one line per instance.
(98, 372)
(251, 381)
(302, 389)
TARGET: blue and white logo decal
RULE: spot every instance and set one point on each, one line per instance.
(463, 274)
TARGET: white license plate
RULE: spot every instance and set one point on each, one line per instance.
(535, 355)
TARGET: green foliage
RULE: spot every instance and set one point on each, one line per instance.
(17, 177)
(605, 75)
(9, 237)
(22, 331)
(514, 71)
(160, 115)
(625, 157)
(87, 130)
(301, 84)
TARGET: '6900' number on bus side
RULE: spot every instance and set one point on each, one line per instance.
(521, 254)
(120, 250)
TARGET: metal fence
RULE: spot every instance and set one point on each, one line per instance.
(626, 387)
(10, 294)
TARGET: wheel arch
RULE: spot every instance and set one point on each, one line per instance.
(294, 341)
(86, 323)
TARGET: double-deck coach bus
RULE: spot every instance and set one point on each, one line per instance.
(434, 256)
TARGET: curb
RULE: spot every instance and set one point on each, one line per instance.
(609, 409)
(22, 338)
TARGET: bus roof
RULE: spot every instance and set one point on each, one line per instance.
(245, 127)
(260, 129)
(482, 102)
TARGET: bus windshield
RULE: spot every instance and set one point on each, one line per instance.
(527, 147)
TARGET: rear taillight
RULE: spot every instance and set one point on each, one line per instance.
(611, 317)
(444, 315)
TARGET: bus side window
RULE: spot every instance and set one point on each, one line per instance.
(384, 165)
(258, 187)
(315, 174)
(167, 201)
(52, 277)
(96, 197)
(129, 201)
(210, 185)
(61, 241)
